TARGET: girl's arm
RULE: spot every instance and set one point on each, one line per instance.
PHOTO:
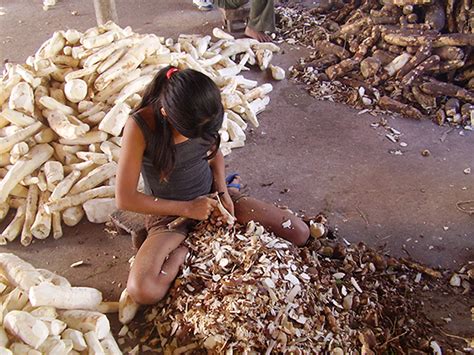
(218, 171)
(128, 174)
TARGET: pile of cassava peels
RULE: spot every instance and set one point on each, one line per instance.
(63, 111)
(242, 290)
(412, 57)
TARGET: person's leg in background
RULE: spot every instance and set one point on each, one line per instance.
(261, 18)
(203, 5)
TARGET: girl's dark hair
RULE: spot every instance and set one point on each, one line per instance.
(192, 103)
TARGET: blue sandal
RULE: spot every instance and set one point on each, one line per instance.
(230, 178)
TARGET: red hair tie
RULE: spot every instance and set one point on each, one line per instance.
(170, 72)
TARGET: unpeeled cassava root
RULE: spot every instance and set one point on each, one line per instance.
(62, 114)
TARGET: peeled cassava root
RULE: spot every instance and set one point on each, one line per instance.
(64, 110)
(43, 314)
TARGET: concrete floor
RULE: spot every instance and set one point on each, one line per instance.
(327, 156)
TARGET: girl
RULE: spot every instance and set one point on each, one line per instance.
(172, 139)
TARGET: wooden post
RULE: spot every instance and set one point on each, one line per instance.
(105, 10)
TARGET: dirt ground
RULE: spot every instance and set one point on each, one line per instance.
(309, 155)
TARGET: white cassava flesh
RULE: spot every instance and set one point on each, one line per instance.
(86, 321)
(65, 126)
(22, 99)
(127, 308)
(37, 156)
(18, 151)
(30, 213)
(56, 224)
(13, 230)
(20, 273)
(98, 210)
(55, 326)
(72, 215)
(53, 278)
(278, 73)
(17, 118)
(55, 105)
(6, 143)
(23, 349)
(16, 300)
(394, 66)
(93, 343)
(88, 138)
(41, 227)
(218, 33)
(24, 326)
(63, 297)
(30, 320)
(95, 178)
(54, 173)
(80, 198)
(110, 346)
(77, 338)
(65, 185)
(75, 90)
(114, 121)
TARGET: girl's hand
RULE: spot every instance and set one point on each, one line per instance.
(227, 202)
(201, 208)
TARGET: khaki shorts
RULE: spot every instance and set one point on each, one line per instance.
(159, 224)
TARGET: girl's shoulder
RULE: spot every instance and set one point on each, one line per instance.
(147, 116)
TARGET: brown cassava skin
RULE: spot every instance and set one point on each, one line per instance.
(446, 67)
(370, 66)
(449, 53)
(423, 53)
(462, 16)
(387, 103)
(440, 117)
(427, 102)
(420, 70)
(347, 65)
(323, 62)
(452, 106)
(465, 74)
(411, 2)
(326, 47)
(450, 15)
(435, 15)
(454, 39)
(436, 88)
(385, 57)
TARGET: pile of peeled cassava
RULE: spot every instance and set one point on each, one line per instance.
(41, 313)
(63, 111)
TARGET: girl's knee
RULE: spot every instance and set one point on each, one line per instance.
(141, 292)
(300, 234)
(180, 254)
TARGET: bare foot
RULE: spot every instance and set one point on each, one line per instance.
(259, 36)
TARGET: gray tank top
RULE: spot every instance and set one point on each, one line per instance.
(191, 176)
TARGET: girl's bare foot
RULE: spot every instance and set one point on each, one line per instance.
(259, 36)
